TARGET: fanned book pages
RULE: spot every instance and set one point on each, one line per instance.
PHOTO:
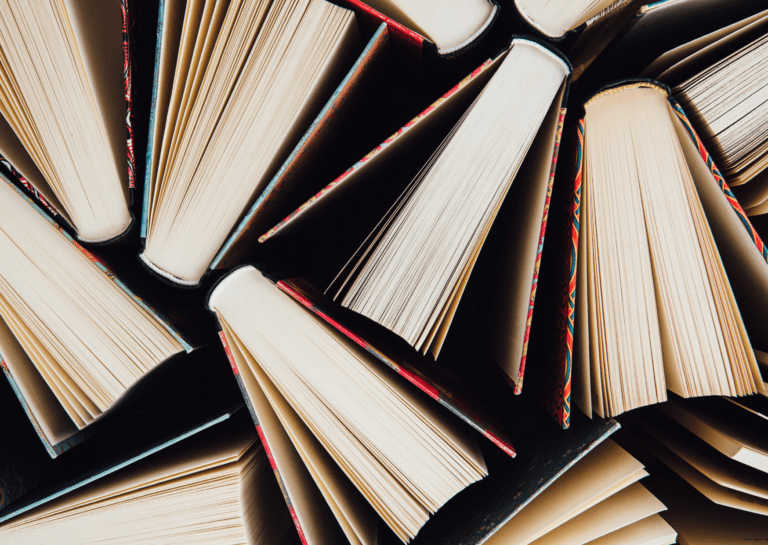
(722, 480)
(409, 275)
(644, 326)
(700, 521)
(633, 35)
(452, 25)
(726, 102)
(714, 490)
(565, 488)
(213, 486)
(250, 76)
(73, 338)
(349, 437)
(596, 499)
(63, 96)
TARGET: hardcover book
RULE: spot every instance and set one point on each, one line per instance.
(525, 182)
(209, 481)
(67, 134)
(723, 226)
(354, 94)
(73, 337)
(565, 488)
(312, 459)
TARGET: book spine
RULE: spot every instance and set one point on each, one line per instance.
(148, 173)
(267, 450)
(720, 179)
(405, 38)
(29, 187)
(408, 126)
(535, 284)
(449, 400)
(128, 95)
(562, 409)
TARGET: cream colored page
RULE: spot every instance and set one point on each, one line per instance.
(628, 506)
(712, 490)
(652, 530)
(53, 421)
(355, 515)
(98, 28)
(311, 510)
(12, 149)
(581, 390)
(450, 24)
(600, 470)
(508, 328)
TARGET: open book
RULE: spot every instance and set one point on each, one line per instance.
(63, 110)
(452, 25)
(633, 319)
(723, 91)
(565, 488)
(351, 438)
(73, 337)
(210, 482)
(482, 175)
(637, 34)
(710, 455)
(353, 95)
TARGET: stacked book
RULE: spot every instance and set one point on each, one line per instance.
(383, 271)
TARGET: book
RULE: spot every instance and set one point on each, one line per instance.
(73, 337)
(449, 28)
(699, 521)
(566, 487)
(593, 355)
(729, 428)
(634, 34)
(357, 98)
(474, 192)
(211, 482)
(556, 20)
(315, 435)
(320, 234)
(65, 128)
(711, 498)
(725, 113)
(161, 413)
(721, 479)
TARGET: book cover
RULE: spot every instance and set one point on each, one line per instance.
(55, 449)
(418, 371)
(477, 512)
(166, 412)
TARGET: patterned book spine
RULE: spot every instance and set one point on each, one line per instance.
(518, 385)
(559, 398)
(442, 395)
(29, 187)
(406, 39)
(260, 431)
(128, 95)
(148, 173)
(408, 126)
(719, 179)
